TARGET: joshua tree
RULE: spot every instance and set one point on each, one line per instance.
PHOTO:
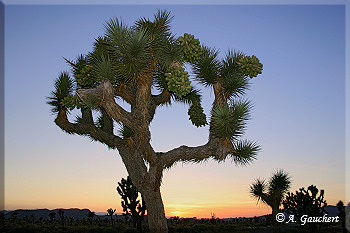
(71, 220)
(32, 218)
(143, 65)
(52, 216)
(14, 215)
(132, 205)
(272, 192)
(2, 217)
(341, 214)
(91, 216)
(61, 215)
(110, 212)
(306, 202)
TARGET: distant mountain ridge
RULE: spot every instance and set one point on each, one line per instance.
(44, 213)
(82, 213)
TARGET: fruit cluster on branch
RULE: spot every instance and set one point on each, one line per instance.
(250, 66)
(178, 81)
(191, 47)
(197, 115)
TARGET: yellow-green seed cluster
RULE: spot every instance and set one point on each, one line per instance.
(178, 81)
(250, 66)
(191, 47)
(197, 115)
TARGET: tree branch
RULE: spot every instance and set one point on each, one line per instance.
(162, 98)
(267, 199)
(124, 91)
(107, 122)
(216, 148)
(104, 93)
(86, 129)
(157, 100)
(219, 93)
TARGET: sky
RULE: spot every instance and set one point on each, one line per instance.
(298, 116)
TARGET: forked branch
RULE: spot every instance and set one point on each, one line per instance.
(104, 93)
(162, 98)
(86, 129)
(124, 91)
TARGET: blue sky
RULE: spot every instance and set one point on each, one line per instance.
(298, 115)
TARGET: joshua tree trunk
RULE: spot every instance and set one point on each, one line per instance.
(148, 183)
(275, 224)
(112, 220)
(155, 212)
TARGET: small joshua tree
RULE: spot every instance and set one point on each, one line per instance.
(341, 214)
(2, 217)
(14, 215)
(306, 202)
(91, 216)
(52, 216)
(71, 220)
(110, 212)
(132, 203)
(32, 218)
(272, 192)
(61, 215)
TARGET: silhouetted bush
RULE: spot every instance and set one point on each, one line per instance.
(131, 230)
(24, 229)
(110, 230)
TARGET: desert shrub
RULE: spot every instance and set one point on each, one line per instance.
(78, 229)
(201, 227)
(183, 229)
(24, 229)
(131, 230)
(94, 230)
(110, 230)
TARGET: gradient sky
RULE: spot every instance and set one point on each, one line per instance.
(298, 116)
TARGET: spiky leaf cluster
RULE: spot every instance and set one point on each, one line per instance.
(258, 188)
(273, 191)
(91, 102)
(63, 87)
(191, 47)
(279, 181)
(228, 121)
(102, 68)
(197, 116)
(250, 66)
(71, 102)
(129, 48)
(82, 71)
(234, 82)
(232, 72)
(207, 69)
(178, 81)
(245, 151)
